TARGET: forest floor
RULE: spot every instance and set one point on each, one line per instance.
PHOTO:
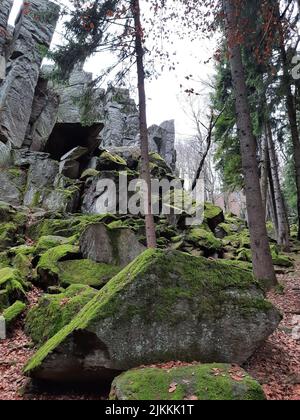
(276, 365)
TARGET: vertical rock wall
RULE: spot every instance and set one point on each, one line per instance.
(32, 36)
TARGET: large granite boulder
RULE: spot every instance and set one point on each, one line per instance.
(209, 382)
(118, 246)
(164, 306)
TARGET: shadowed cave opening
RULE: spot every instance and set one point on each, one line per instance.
(67, 136)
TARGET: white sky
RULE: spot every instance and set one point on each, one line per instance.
(165, 97)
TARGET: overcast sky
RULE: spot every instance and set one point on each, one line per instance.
(165, 97)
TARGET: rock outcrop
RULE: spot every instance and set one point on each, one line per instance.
(32, 34)
(164, 306)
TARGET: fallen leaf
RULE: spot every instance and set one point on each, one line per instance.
(173, 387)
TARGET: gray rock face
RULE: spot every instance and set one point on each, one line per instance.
(4, 14)
(164, 306)
(69, 168)
(111, 246)
(12, 184)
(5, 154)
(18, 89)
(121, 119)
(43, 117)
(23, 157)
(40, 180)
(162, 141)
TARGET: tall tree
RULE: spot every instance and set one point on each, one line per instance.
(261, 254)
(112, 25)
(145, 166)
(283, 227)
(290, 105)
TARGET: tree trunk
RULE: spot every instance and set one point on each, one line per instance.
(145, 166)
(291, 111)
(264, 173)
(283, 228)
(261, 255)
(272, 205)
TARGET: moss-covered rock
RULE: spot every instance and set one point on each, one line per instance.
(85, 272)
(115, 246)
(8, 232)
(109, 161)
(23, 263)
(47, 268)
(282, 261)
(67, 226)
(53, 312)
(204, 239)
(218, 312)
(51, 241)
(13, 312)
(213, 215)
(199, 382)
(12, 284)
(89, 173)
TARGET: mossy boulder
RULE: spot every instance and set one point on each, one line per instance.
(109, 161)
(67, 226)
(53, 312)
(23, 263)
(85, 272)
(8, 235)
(204, 239)
(213, 215)
(112, 246)
(51, 241)
(166, 305)
(47, 268)
(13, 312)
(208, 382)
(12, 286)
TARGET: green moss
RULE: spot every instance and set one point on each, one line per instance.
(4, 299)
(89, 173)
(22, 263)
(47, 267)
(205, 382)
(8, 233)
(109, 157)
(235, 263)
(53, 312)
(211, 211)
(67, 226)
(211, 281)
(282, 261)
(12, 281)
(118, 224)
(22, 250)
(36, 200)
(47, 242)
(85, 272)
(13, 312)
(204, 239)
(4, 260)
